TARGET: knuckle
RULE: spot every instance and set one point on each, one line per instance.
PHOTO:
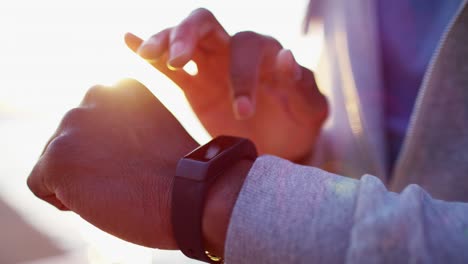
(131, 87)
(36, 183)
(31, 181)
(197, 24)
(272, 41)
(308, 79)
(57, 162)
(179, 33)
(94, 95)
(162, 35)
(118, 96)
(247, 35)
(127, 84)
(255, 40)
(63, 155)
(74, 118)
(249, 42)
(189, 26)
(202, 12)
(55, 156)
(38, 180)
(58, 148)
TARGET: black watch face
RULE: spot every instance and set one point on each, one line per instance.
(213, 148)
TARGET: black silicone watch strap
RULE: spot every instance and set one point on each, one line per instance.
(193, 191)
(195, 173)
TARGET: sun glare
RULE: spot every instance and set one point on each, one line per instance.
(52, 51)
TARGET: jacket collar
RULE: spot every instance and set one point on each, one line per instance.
(351, 35)
(435, 152)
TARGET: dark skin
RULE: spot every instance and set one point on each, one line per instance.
(100, 163)
(112, 159)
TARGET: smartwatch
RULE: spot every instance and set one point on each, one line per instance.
(194, 174)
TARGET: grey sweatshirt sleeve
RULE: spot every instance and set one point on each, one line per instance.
(287, 213)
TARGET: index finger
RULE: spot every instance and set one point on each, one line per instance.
(186, 36)
(251, 56)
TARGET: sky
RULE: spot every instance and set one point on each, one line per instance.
(52, 51)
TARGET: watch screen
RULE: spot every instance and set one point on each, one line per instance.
(212, 149)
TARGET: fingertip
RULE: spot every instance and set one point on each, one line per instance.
(130, 35)
(132, 41)
(243, 107)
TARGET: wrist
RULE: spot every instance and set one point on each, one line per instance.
(219, 205)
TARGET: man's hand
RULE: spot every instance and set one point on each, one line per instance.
(247, 85)
(112, 160)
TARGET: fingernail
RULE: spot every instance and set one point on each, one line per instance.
(177, 51)
(243, 107)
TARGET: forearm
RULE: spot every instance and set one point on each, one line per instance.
(295, 214)
(287, 213)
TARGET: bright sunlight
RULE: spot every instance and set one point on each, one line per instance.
(52, 51)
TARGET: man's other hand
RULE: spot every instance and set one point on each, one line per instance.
(247, 85)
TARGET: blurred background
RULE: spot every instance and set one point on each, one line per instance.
(51, 52)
